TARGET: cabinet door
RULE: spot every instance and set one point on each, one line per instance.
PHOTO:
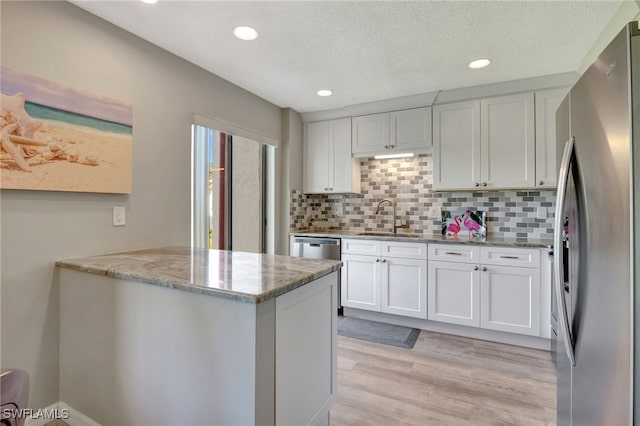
(316, 157)
(510, 299)
(370, 133)
(454, 293)
(360, 285)
(404, 287)
(456, 145)
(344, 172)
(507, 142)
(547, 161)
(410, 130)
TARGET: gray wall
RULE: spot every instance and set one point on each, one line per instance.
(60, 42)
(288, 165)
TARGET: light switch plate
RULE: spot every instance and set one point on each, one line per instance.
(119, 216)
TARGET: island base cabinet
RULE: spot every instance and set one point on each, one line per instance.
(404, 287)
(133, 353)
(306, 326)
(454, 293)
(510, 299)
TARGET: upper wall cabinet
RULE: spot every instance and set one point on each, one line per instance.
(456, 145)
(485, 144)
(328, 166)
(392, 132)
(547, 150)
(507, 142)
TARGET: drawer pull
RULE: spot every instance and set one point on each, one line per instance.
(453, 253)
(509, 257)
(475, 268)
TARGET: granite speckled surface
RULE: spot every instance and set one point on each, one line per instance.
(429, 238)
(245, 277)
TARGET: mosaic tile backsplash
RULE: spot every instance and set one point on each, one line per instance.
(510, 214)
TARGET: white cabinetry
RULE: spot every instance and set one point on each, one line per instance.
(456, 145)
(496, 288)
(392, 132)
(328, 166)
(548, 151)
(385, 276)
(507, 141)
(485, 144)
(454, 293)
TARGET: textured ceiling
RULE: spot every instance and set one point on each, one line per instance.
(364, 50)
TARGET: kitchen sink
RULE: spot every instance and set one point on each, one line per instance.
(389, 234)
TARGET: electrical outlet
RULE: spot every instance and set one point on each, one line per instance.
(542, 213)
(119, 216)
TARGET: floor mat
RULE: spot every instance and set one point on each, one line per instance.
(378, 332)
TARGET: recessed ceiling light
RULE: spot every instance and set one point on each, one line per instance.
(324, 92)
(149, 1)
(479, 63)
(245, 33)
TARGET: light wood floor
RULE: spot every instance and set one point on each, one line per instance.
(443, 380)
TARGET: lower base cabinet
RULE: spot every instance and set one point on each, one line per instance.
(510, 299)
(472, 286)
(404, 287)
(386, 283)
(454, 293)
(494, 288)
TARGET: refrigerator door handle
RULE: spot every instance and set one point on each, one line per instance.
(563, 317)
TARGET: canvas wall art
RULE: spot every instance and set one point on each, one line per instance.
(464, 223)
(60, 138)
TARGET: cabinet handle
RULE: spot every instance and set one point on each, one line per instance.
(484, 268)
(475, 268)
(477, 184)
(484, 183)
(541, 182)
(384, 260)
(377, 260)
(509, 257)
(453, 253)
(386, 147)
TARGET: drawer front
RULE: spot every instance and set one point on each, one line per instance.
(363, 246)
(454, 253)
(404, 250)
(510, 256)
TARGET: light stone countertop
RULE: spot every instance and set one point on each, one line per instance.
(245, 277)
(427, 238)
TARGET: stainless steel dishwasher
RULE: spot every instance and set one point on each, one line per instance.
(317, 248)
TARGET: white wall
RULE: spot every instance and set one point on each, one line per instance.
(60, 42)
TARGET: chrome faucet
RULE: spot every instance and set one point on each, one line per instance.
(393, 223)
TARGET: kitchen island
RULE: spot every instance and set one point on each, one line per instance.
(179, 335)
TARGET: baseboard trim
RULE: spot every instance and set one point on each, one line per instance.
(61, 409)
(42, 421)
(458, 330)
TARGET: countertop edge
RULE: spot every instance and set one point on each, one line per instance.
(206, 291)
(429, 239)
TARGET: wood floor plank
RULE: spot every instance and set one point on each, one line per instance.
(443, 380)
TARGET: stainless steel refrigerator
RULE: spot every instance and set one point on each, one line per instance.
(597, 240)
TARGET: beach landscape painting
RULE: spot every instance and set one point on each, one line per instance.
(60, 138)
